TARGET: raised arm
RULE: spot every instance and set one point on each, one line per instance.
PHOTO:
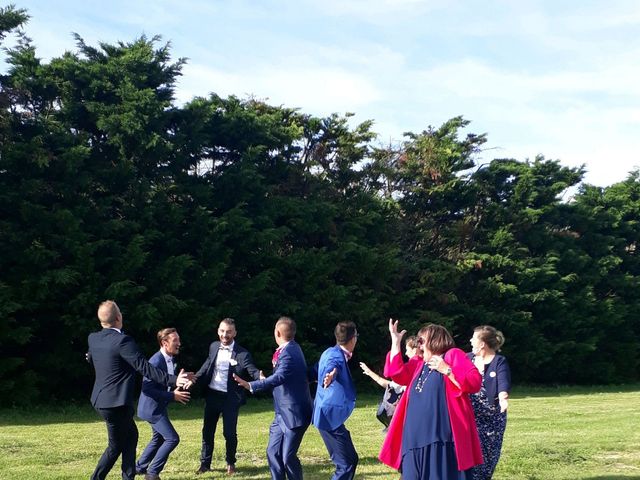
(396, 338)
(383, 382)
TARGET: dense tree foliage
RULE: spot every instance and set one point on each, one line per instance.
(233, 207)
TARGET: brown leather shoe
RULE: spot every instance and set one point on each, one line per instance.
(231, 469)
(202, 470)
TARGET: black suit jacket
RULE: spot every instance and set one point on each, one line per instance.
(244, 368)
(116, 358)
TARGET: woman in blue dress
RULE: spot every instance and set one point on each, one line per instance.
(432, 435)
(491, 402)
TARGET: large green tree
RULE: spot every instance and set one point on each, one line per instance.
(234, 207)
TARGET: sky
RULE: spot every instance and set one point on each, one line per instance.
(547, 77)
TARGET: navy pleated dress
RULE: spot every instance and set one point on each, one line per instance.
(428, 452)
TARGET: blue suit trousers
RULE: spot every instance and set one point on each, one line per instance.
(342, 452)
(282, 450)
(163, 441)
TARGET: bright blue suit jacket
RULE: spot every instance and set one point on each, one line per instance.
(291, 397)
(334, 404)
(154, 398)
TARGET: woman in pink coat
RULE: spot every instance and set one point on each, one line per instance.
(433, 431)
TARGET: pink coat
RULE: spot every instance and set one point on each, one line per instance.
(463, 423)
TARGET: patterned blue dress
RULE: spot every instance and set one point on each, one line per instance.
(491, 426)
(428, 452)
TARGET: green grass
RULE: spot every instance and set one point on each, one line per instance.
(564, 433)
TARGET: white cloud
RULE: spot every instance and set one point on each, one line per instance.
(314, 89)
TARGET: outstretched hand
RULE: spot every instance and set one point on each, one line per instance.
(185, 379)
(393, 331)
(328, 378)
(241, 381)
(181, 396)
(365, 369)
(396, 337)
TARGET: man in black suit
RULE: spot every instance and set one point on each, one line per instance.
(116, 358)
(223, 396)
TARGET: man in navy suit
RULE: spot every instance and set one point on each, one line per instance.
(116, 358)
(336, 399)
(223, 396)
(291, 400)
(152, 407)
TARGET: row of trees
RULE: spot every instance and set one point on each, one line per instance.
(233, 207)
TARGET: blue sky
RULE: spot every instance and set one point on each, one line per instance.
(558, 78)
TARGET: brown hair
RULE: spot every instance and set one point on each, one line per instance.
(489, 335)
(437, 339)
(164, 333)
(287, 327)
(412, 342)
(344, 332)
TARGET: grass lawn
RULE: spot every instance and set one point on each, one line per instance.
(565, 433)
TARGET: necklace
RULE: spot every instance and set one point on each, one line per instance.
(421, 381)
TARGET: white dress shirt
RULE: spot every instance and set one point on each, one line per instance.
(221, 372)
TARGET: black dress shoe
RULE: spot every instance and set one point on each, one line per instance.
(151, 476)
(202, 470)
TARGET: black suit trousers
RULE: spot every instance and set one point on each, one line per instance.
(123, 439)
(216, 404)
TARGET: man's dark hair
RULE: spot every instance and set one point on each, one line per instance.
(344, 332)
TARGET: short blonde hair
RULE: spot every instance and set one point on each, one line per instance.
(287, 327)
(108, 313)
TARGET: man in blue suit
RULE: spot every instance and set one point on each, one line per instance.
(116, 359)
(152, 407)
(223, 396)
(291, 400)
(336, 399)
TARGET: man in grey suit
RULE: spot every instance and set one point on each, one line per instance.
(116, 359)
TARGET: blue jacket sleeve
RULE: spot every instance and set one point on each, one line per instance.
(503, 372)
(155, 390)
(282, 373)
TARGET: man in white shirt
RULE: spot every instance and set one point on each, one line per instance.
(223, 396)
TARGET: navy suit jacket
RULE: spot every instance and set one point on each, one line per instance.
(496, 378)
(155, 397)
(334, 404)
(244, 368)
(116, 359)
(291, 397)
